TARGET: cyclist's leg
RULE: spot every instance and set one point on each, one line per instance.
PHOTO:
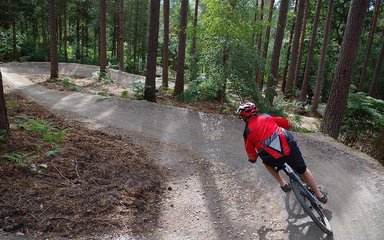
(275, 175)
(296, 161)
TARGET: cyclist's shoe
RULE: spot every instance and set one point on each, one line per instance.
(286, 188)
(324, 198)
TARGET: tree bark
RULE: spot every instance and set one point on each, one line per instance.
(376, 76)
(302, 37)
(304, 87)
(4, 124)
(268, 31)
(259, 73)
(193, 47)
(65, 31)
(335, 109)
(284, 81)
(165, 44)
(295, 48)
(53, 40)
(179, 84)
(150, 80)
(276, 50)
(103, 39)
(372, 32)
(324, 47)
(120, 48)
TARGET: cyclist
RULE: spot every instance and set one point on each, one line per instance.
(267, 136)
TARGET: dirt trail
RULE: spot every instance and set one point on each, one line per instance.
(214, 193)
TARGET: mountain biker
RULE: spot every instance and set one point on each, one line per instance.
(267, 136)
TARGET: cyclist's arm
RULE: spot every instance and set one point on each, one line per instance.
(251, 151)
(282, 122)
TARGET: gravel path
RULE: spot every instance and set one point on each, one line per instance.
(214, 193)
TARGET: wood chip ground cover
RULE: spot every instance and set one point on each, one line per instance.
(96, 184)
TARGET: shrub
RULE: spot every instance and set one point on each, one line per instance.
(363, 120)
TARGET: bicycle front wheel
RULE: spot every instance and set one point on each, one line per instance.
(313, 210)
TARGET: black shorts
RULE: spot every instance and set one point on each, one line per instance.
(294, 160)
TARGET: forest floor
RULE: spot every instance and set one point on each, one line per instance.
(62, 180)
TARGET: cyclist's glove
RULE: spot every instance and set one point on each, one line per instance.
(252, 161)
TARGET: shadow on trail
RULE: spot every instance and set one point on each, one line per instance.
(300, 225)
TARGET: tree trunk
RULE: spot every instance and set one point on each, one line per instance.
(259, 74)
(304, 87)
(53, 40)
(372, 31)
(302, 37)
(120, 48)
(4, 124)
(276, 49)
(103, 39)
(193, 47)
(295, 48)
(324, 47)
(150, 80)
(334, 111)
(268, 31)
(165, 44)
(284, 81)
(179, 84)
(376, 76)
(65, 31)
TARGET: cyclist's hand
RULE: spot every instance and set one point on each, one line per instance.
(252, 161)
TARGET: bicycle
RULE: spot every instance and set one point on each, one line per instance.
(307, 200)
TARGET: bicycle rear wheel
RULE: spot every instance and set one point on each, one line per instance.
(313, 210)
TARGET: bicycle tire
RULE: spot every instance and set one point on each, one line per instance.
(314, 212)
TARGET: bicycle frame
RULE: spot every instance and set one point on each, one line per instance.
(314, 208)
(294, 177)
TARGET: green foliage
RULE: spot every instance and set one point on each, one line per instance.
(69, 84)
(103, 92)
(53, 152)
(199, 90)
(36, 125)
(124, 94)
(364, 118)
(50, 134)
(138, 89)
(19, 158)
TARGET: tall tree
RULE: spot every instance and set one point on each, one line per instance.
(179, 84)
(282, 20)
(53, 40)
(372, 32)
(103, 37)
(120, 48)
(268, 30)
(295, 47)
(323, 55)
(65, 38)
(193, 47)
(4, 124)
(165, 43)
(150, 80)
(311, 46)
(376, 76)
(284, 81)
(301, 46)
(259, 77)
(335, 109)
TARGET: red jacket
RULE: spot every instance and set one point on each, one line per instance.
(266, 134)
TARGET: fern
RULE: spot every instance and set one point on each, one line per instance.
(19, 158)
(53, 152)
(37, 125)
